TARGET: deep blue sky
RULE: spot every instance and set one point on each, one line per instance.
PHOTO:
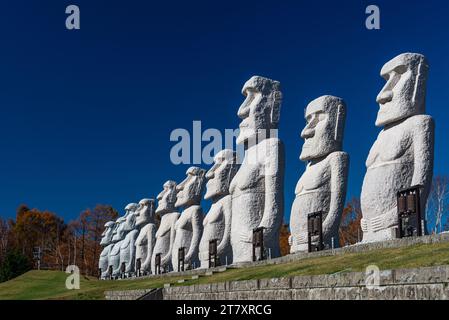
(86, 115)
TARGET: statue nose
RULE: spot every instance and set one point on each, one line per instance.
(384, 97)
(307, 133)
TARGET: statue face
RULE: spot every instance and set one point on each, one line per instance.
(130, 222)
(118, 233)
(260, 110)
(220, 175)
(404, 93)
(145, 213)
(324, 128)
(106, 236)
(131, 208)
(167, 198)
(189, 191)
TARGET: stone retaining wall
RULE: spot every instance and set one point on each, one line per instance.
(125, 294)
(402, 284)
(358, 248)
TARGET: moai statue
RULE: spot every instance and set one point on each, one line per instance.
(114, 255)
(217, 223)
(165, 235)
(128, 246)
(106, 243)
(322, 187)
(402, 155)
(147, 236)
(120, 231)
(257, 189)
(189, 226)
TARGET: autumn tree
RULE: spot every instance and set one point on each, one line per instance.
(43, 229)
(350, 231)
(88, 229)
(283, 239)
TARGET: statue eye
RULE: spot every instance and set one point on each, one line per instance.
(401, 69)
(321, 116)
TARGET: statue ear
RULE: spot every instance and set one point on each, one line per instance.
(172, 196)
(276, 108)
(340, 123)
(419, 92)
(231, 173)
(200, 182)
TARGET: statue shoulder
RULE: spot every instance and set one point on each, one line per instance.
(340, 157)
(421, 122)
(274, 144)
(195, 210)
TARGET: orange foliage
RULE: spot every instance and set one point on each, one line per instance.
(350, 232)
(283, 240)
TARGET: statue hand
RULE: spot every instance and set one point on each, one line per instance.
(290, 240)
(377, 223)
(364, 225)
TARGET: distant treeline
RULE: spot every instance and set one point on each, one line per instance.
(42, 239)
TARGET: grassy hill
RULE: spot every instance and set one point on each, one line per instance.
(51, 284)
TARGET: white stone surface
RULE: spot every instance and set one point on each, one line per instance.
(217, 223)
(257, 189)
(128, 245)
(114, 254)
(118, 236)
(106, 243)
(165, 235)
(147, 235)
(322, 187)
(402, 155)
(189, 226)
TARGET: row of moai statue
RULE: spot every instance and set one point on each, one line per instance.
(248, 198)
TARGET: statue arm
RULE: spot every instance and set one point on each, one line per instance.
(166, 259)
(339, 177)
(197, 223)
(423, 146)
(274, 195)
(151, 241)
(132, 252)
(226, 212)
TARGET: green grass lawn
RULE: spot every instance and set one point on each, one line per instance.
(51, 284)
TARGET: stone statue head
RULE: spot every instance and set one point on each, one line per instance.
(145, 214)
(325, 123)
(130, 208)
(261, 109)
(220, 175)
(167, 198)
(118, 233)
(404, 94)
(190, 190)
(106, 236)
(130, 217)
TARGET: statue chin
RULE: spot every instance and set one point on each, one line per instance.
(162, 207)
(318, 151)
(390, 113)
(310, 154)
(213, 193)
(245, 135)
(181, 203)
(209, 194)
